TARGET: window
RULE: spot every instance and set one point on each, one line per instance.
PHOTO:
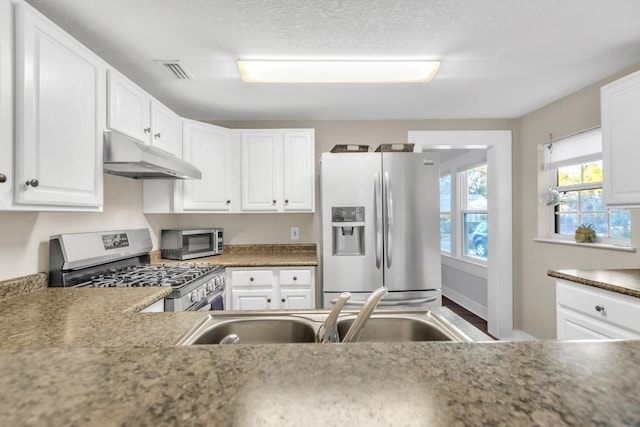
(445, 213)
(463, 207)
(576, 167)
(474, 211)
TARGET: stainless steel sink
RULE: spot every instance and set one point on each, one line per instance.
(394, 328)
(253, 330)
(268, 327)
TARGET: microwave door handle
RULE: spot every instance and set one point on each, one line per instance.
(377, 183)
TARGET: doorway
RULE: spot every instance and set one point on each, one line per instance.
(499, 209)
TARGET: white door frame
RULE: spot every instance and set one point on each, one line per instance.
(500, 256)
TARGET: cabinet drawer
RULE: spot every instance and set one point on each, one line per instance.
(295, 277)
(617, 309)
(252, 278)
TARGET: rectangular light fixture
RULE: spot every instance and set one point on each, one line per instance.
(337, 71)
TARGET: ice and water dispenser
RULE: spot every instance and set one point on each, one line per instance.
(348, 230)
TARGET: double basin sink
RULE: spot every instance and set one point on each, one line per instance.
(268, 327)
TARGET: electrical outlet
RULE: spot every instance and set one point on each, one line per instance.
(295, 233)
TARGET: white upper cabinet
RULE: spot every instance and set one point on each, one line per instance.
(620, 136)
(129, 108)
(261, 170)
(278, 172)
(6, 104)
(134, 112)
(210, 149)
(299, 171)
(60, 115)
(167, 129)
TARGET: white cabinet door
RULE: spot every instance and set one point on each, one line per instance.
(585, 312)
(253, 299)
(261, 166)
(572, 326)
(6, 104)
(294, 299)
(209, 148)
(167, 129)
(129, 108)
(60, 115)
(299, 171)
(620, 135)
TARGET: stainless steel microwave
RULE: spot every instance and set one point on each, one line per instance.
(191, 243)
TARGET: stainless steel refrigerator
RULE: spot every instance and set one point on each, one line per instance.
(380, 226)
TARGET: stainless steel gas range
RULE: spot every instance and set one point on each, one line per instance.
(121, 259)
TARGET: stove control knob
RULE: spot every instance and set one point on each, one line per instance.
(194, 297)
(201, 293)
(209, 286)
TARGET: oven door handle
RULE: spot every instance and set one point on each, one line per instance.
(205, 303)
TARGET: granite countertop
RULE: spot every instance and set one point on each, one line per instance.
(374, 384)
(256, 256)
(625, 281)
(86, 357)
(70, 317)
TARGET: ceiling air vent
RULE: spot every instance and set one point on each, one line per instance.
(176, 69)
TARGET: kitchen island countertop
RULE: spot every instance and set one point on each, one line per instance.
(85, 357)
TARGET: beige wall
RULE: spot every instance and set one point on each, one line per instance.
(534, 291)
(24, 236)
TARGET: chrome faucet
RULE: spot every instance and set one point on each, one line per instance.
(329, 330)
(358, 325)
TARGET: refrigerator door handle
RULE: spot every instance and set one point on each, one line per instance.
(391, 303)
(389, 199)
(377, 182)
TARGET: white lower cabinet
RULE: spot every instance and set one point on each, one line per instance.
(587, 313)
(288, 288)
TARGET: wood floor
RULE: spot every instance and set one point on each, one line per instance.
(476, 321)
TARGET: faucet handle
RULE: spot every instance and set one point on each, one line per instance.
(328, 332)
(357, 327)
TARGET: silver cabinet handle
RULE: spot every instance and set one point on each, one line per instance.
(389, 197)
(157, 135)
(377, 184)
(3, 178)
(33, 183)
(147, 130)
(599, 308)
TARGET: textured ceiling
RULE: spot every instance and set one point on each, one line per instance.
(500, 58)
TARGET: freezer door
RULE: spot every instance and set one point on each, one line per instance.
(411, 195)
(351, 236)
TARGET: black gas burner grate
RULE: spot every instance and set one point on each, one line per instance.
(174, 275)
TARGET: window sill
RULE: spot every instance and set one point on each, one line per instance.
(586, 245)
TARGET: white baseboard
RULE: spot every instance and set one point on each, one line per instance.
(519, 336)
(466, 302)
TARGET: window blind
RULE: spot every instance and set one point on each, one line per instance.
(580, 148)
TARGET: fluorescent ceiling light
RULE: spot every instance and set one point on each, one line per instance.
(338, 71)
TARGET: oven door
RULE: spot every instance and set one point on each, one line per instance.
(198, 243)
(213, 301)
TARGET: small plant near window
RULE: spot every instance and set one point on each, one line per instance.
(585, 234)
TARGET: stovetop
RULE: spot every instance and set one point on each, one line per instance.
(174, 275)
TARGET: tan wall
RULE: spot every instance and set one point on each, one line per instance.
(24, 236)
(534, 291)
